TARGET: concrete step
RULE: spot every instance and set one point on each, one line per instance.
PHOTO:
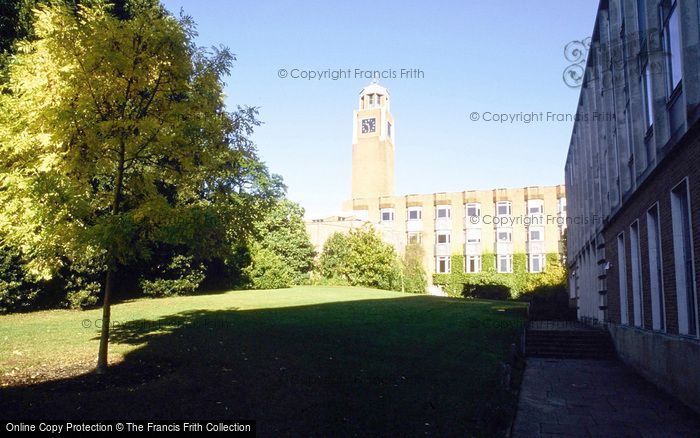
(569, 343)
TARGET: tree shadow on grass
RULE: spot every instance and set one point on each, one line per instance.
(413, 365)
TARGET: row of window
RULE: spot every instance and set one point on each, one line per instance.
(473, 235)
(684, 265)
(669, 16)
(503, 208)
(504, 263)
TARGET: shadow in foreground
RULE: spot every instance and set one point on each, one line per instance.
(409, 366)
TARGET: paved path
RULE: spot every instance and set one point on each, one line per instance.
(596, 398)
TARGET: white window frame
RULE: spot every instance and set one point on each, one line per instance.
(669, 40)
(529, 234)
(474, 205)
(637, 281)
(622, 279)
(418, 210)
(477, 264)
(509, 261)
(506, 204)
(417, 235)
(443, 208)
(509, 232)
(443, 233)
(472, 239)
(531, 258)
(535, 203)
(656, 268)
(686, 317)
(647, 95)
(448, 262)
(387, 210)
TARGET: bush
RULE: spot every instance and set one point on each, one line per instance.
(414, 276)
(487, 291)
(84, 297)
(268, 270)
(550, 303)
(17, 291)
(177, 278)
(361, 258)
(282, 232)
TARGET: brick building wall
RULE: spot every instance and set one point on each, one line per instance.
(683, 161)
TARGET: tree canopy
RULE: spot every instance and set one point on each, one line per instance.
(114, 138)
(361, 258)
(282, 254)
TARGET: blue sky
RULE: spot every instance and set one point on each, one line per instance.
(498, 56)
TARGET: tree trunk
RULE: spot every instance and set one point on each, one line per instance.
(102, 360)
(106, 314)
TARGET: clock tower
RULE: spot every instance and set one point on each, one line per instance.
(373, 134)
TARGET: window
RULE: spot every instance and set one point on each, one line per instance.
(388, 129)
(443, 238)
(415, 213)
(371, 100)
(503, 208)
(622, 279)
(536, 234)
(387, 214)
(442, 265)
(655, 269)
(642, 20)
(636, 275)
(684, 260)
(536, 263)
(414, 238)
(672, 45)
(473, 210)
(472, 264)
(504, 263)
(504, 235)
(443, 212)
(648, 96)
(473, 235)
(535, 206)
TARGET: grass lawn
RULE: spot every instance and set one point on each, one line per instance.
(300, 361)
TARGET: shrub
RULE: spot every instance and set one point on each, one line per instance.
(268, 270)
(83, 297)
(17, 291)
(179, 277)
(361, 258)
(487, 291)
(282, 232)
(414, 277)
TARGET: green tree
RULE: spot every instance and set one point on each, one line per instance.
(17, 20)
(334, 256)
(113, 135)
(268, 269)
(361, 258)
(281, 233)
(414, 277)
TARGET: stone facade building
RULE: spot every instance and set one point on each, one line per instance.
(494, 223)
(633, 183)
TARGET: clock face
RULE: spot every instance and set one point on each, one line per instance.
(369, 125)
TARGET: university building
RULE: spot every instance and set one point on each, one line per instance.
(474, 223)
(633, 183)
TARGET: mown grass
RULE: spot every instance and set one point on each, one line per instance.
(328, 359)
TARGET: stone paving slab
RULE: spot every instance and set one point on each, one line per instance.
(596, 398)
